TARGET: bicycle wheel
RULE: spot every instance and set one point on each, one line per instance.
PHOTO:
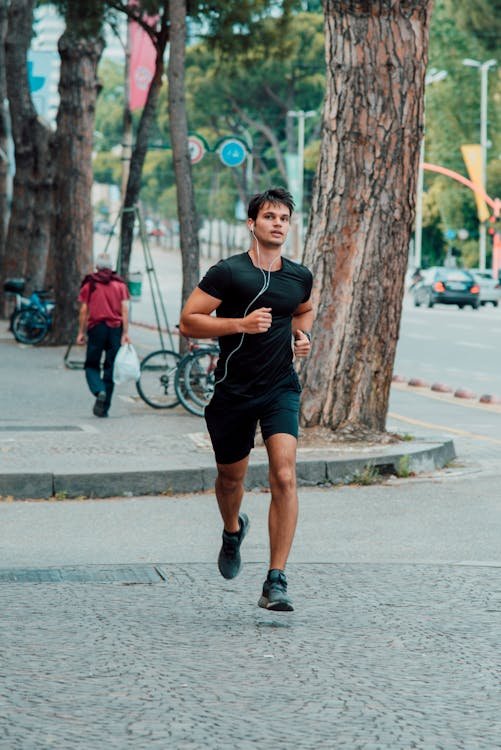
(29, 326)
(199, 375)
(180, 386)
(194, 380)
(156, 382)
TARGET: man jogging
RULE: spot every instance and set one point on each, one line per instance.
(263, 318)
(104, 313)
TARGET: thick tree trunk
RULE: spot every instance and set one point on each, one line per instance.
(363, 207)
(188, 229)
(27, 241)
(4, 129)
(78, 89)
(139, 155)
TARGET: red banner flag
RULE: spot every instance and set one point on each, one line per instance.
(142, 64)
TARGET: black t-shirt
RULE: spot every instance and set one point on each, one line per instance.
(263, 359)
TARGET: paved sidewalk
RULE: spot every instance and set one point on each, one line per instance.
(52, 445)
(376, 657)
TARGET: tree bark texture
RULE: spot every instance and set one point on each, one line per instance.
(27, 242)
(73, 257)
(140, 150)
(363, 208)
(188, 225)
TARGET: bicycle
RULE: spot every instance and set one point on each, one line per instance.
(156, 382)
(194, 380)
(167, 379)
(31, 318)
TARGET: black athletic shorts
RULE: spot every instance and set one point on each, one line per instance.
(232, 422)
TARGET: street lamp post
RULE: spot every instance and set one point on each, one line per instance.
(301, 116)
(484, 71)
(432, 77)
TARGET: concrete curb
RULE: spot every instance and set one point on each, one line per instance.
(417, 457)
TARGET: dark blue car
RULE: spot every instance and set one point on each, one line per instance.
(446, 286)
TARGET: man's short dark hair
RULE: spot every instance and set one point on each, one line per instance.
(273, 195)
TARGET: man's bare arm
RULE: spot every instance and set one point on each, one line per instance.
(82, 322)
(125, 323)
(198, 322)
(302, 320)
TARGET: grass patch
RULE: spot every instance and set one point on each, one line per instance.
(402, 468)
(368, 475)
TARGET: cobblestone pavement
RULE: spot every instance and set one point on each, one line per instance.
(375, 656)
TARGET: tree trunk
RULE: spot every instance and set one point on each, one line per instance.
(139, 154)
(188, 229)
(28, 236)
(363, 208)
(4, 130)
(73, 258)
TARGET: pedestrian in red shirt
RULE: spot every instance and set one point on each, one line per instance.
(104, 314)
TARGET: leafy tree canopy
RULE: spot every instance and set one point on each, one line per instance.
(480, 18)
(459, 30)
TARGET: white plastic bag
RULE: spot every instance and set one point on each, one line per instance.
(126, 366)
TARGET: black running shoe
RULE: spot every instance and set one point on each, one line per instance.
(229, 561)
(99, 409)
(274, 594)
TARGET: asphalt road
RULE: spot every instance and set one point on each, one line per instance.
(460, 348)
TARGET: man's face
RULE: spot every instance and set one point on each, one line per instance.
(272, 224)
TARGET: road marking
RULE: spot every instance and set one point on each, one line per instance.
(421, 336)
(475, 345)
(432, 426)
(462, 326)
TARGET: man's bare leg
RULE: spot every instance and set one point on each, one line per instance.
(230, 492)
(282, 518)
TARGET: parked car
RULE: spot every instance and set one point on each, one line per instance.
(446, 286)
(490, 289)
(103, 227)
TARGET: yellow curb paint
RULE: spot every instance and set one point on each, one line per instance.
(432, 426)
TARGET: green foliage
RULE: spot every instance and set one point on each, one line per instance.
(367, 476)
(257, 59)
(481, 18)
(494, 177)
(109, 108)
(433, 239)
(252, 92)
(456, 206)
(459, 30)
(403, 467)
(84, 18)
(234, 27)
(247, 69)
(107, 168)
(469, 253)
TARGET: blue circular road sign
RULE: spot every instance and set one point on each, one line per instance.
(232, 152)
